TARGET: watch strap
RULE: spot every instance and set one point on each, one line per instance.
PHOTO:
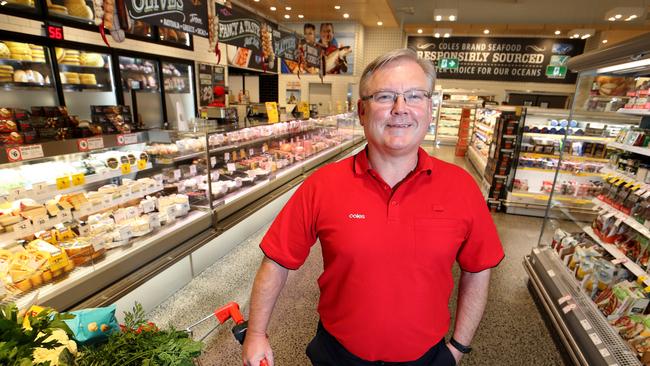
(460, 347)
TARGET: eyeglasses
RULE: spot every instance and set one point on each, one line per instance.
(411, 97)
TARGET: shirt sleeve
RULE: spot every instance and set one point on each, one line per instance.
(293, 232)
(482, 249)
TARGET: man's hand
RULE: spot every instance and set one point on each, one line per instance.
(456, 353)
(256, 348)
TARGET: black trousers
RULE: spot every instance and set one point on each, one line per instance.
(325, 350)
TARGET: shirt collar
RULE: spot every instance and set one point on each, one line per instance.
(362, 165)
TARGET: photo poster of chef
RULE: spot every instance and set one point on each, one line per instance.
(248, 37)
(332, 40)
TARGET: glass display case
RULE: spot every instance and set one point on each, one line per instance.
(590, 267)
(76, 10)
(179, 94)
(86, 79)
(87, 212)
(448, 122)
(173, 36)
(20, 5)
(26, 75)
(141, 88)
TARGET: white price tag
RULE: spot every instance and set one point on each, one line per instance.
(31, 152)
(585, 324)
(84, 230)
(192, 170)
(3, 198)
(126, 139)
(251, 152)
(536, 251)
(154, 220)
(231, 167)
(604, 352)
(95, 143)
(226, 157)
(568, 308)
(125, 233)
(177, 174)
(147, 206)
(595, 338)
(563, 299)
(65, 215)
(23, 228)
(550, 273)
(120, 215)
(171, 211)
(42, 222)
(40, 187)
(98, 245)
(213, 161)
(16, 193)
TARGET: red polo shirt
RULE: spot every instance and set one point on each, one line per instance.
(388, 253)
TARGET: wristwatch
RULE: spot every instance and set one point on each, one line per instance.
(460, 347)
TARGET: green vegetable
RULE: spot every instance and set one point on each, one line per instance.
(17, 343)
(141, 343)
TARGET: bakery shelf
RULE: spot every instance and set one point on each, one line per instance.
(634, 112)
(83, 67)
(56, 148)
(617, 254)
(627, 219)
(86, 87)
(20, 62)
(552, 171)
(570, 137)
(635, 149)
(564, 157)
(583, 329)
(17, 85)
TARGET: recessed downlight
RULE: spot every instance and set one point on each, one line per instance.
(287, 8)
(557, 32)
(604, 41)
(273, 8)
(287, 16)
(486, 31)
(337, 7)
(346, 15)
(452, 18)
(380, 23)
(419, 31)
(300, 16)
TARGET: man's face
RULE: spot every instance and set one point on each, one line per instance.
(327, 34)
(310, 35)
(395, 128)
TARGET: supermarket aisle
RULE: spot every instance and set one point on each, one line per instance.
(512, 331)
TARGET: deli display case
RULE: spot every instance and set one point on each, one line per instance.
(590, 267)
(86, 79)
(26, 77)
(141, 88)
(178, 81)
(448, 122)
(82, 214)
(75, 10)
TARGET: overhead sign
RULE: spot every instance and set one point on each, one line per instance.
(285, 45)
(448, 63)
(556, 71)
(500, 59)
(186, 16)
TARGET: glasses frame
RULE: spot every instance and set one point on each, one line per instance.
(396, 95)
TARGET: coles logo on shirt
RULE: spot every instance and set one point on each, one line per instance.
(357, 216)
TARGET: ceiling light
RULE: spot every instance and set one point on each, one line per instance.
(273, 8)
(300, 16)
(346, 15)
(486, 31)
(557, 32)
(419, 31)
(604, 41)
(443, 14)
(585, 36)
(447, 35)
(287, 16)
(257, 1)
(611, 19)
(287, 8)
(631, 17)
(452, 18)
(438, 18)
(576, 35)
(437, 35)
(3, 3)
(337, 7)
(618, 16)
(380, 23)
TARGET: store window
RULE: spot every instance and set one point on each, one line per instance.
(86, 78)
(75, 10)
(26, 75)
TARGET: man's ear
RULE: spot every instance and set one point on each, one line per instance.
(361, 110)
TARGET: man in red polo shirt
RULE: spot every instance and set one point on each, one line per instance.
(391, 222)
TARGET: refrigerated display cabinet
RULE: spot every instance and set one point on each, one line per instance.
(448, 122)
(81, 11)
(590, 267)
(180, 100)
(141, 88)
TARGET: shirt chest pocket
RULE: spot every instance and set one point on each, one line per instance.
(437, 240)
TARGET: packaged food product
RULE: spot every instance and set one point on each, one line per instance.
(93, 325)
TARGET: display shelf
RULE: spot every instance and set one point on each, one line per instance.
(570, 137)
(556, 197)
(634, 112)
(484, 127)
(10, 85)
(56, 148)
(21, 62)
(619, 256)
(165, 160)
(32, 228)
(258, 141)
(477, 159)
(635, 149)
(609, 171)
(565, 157)
(86, 87)
(627, 219)
(482, 137)
(83, 67)
(583, 329)
(552, 171)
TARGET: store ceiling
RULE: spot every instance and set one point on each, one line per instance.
(502, 17)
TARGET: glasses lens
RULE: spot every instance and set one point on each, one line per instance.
(384, 97)
(415, 97)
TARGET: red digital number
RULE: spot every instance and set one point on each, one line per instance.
(55, 32)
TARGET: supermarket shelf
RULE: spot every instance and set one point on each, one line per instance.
(609, 171)
(565, 157)
(569, 137)
(583, 329)
(577, 174)
(635, 149)
(163, 160)
(544, 197)
(481, 137)
(478, 161)
(617, 254)
(627, 219)
(56, 148)
(483, 127)
(634, 112)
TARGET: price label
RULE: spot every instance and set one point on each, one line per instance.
(65, 215)
(213, 161)
(63, 183)
(23, 228)
(42, 222)
(231, 167)
(251, 152)
(119, 216)
(171, 212)
(84, 230)
(568, 308)
(147, 206)
(585, 324)
(142, 164)
(154, 220)
(15, 193)
(192, 170)
(550, 273)
(563, 299)
(78, 179)
(24, 152)
(226, 157)
(177, 174)
(127, 139)
(40, 187)
(59, 261)
(604, 352)
(595, 338)
(125, 168)
(125, 233)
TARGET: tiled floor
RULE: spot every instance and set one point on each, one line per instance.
(512, 331)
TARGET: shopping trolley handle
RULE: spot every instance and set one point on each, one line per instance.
(239, 331)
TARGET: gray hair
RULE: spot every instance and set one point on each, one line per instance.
(392, 56)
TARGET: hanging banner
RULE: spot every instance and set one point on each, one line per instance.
(286, 45)
(249, 38)
(186, 16)
(334, 40)
(541, 60)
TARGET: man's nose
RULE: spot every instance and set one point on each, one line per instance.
(399, 106)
